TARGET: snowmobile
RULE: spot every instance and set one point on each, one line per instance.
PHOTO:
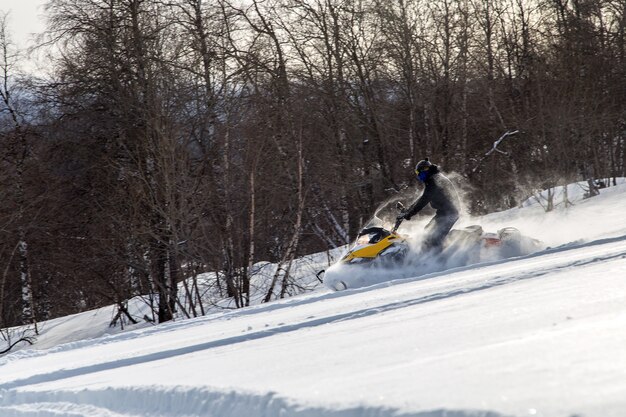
(377, 247)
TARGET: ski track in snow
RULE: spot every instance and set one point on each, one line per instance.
(17, 400)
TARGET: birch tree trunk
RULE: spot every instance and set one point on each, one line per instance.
(21, 152)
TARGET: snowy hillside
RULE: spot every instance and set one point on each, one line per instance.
(541, 335)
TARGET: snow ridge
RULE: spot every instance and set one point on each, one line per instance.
(186, 402)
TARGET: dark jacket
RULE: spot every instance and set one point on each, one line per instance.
(441, 195)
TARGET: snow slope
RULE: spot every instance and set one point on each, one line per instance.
(543, 335)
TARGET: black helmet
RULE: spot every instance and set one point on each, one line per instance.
(423, 165)
(422, 168)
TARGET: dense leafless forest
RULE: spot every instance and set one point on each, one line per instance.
(167, 138)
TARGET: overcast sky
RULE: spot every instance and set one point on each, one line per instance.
(25, 19)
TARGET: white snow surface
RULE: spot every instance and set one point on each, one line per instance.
(541, 335)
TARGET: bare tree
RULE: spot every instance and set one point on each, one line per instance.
(17, 151)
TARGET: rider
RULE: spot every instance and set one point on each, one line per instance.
(442, 196)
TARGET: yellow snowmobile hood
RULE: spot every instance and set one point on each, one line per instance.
(372, 250)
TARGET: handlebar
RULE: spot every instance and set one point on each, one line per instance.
(399, 220)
